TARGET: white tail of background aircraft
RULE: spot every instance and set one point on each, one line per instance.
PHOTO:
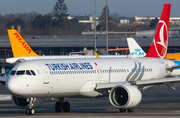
(134, 47)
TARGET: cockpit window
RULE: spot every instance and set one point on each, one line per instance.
(20, 72)
(33, 72)
(28, 72)
(13, 72)
(23, 72)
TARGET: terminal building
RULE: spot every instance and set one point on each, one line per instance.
(142, 20)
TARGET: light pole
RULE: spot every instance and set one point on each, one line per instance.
(106, 28)
(94, 25)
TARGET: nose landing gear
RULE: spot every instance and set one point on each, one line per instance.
(29, 110)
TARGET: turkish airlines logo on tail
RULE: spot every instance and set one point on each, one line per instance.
(161, 38)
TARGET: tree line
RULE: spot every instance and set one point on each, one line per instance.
(34, 23)
(56, 22)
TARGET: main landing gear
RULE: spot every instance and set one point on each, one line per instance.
(124, 110)
(61, 105)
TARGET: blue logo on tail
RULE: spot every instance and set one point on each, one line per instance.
(138, 52)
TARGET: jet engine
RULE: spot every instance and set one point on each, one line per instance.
(24, 103)
(125, 96)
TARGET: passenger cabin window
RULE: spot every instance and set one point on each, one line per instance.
(20, 72)
(33, 72)
(28, 72)
(13, 72)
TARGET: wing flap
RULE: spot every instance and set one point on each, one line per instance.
(139, 83)
(173, 67)
(157, 81)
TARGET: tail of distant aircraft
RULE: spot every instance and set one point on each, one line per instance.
(19, 47)
(158, 48)
(134, 47)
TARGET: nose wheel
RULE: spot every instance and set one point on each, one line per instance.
(30, 111)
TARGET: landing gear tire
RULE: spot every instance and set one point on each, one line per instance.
(27, 112)
(131, 110)
(122, 110)
(30, 111)
(66, 107)
(58, 107)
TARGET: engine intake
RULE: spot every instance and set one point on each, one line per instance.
(125, 96)
(22, 103)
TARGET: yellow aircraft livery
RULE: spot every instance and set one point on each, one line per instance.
(19, 47)
(173, 57)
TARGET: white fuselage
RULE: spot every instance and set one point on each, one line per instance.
(78, 77)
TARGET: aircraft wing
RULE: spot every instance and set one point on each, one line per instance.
(173, 67)
(157, 81)
(3, 80)
(139, 83)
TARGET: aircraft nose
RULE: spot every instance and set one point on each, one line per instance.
(12, 85)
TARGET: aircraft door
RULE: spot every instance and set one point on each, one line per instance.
(45, 73)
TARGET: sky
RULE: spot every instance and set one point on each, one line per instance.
(128, 8)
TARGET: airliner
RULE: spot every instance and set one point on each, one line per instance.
(135, 49)
(122, 79)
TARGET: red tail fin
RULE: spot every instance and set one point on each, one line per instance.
(158, 48)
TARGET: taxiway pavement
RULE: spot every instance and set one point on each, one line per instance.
(159, 102)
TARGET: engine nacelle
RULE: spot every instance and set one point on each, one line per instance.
(22, 103)
(125, 96)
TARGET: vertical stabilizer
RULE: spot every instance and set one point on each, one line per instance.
(19, 47)
(134, 47)
(158, 48)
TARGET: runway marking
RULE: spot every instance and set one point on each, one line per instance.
(178, 107)
(2, 105)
